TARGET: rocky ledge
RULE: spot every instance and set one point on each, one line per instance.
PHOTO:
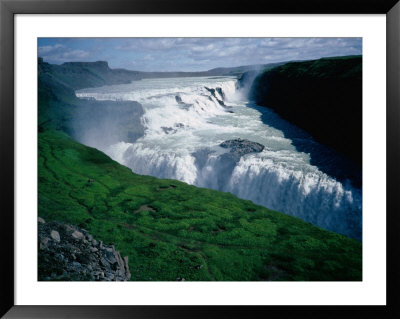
(68, 253)
(240, 147)
(220, 92)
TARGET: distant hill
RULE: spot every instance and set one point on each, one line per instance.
(79, 75)
(59, 108)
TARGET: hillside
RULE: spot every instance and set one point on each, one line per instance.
(79, 75)
(323, 97)
(173, 230)
(85, 120)
(168, 229)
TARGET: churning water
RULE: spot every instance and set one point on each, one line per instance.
(185, 120)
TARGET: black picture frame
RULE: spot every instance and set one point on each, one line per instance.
(8, 8)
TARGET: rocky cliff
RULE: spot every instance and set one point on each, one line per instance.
(79, 75)
(69, 253)
(323, 97)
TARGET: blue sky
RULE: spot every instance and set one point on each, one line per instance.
(192, 54)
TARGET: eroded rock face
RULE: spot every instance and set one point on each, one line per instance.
(219, 90)
(68, 253)
(322, 97)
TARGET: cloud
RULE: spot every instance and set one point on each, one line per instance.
(195, 54)
(163, 44)
(49, 48)
(60, 53)
(75, 54)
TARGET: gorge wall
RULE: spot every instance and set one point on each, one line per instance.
(323, 97)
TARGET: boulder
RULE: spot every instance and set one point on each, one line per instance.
(241, 146)
(55, 235)
(75, 258)
(77, 235)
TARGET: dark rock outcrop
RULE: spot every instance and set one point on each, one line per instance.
(68, 253)
(221, 93)
(240, 147)
(212, 91)
(323, 97)
(178, 99)
(168, 130)
(184, 105)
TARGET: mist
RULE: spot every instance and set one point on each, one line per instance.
(174, 127)
(102, 123)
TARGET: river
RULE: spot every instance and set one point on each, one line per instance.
(186, 120)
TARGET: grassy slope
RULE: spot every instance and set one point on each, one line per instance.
(170, 232)
(183, 231)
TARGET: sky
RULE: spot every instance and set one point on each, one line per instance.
(192, 54)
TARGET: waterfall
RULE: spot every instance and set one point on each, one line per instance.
(185, 121)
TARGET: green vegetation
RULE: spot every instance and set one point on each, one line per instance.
(169, 229)
(335, 67)
(173, 230)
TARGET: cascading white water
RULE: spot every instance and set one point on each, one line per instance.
(186, 119)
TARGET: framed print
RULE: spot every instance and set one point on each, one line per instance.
(167, 159)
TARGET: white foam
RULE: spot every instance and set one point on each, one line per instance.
(177, 129)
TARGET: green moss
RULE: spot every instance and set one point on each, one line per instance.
(182, 231)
